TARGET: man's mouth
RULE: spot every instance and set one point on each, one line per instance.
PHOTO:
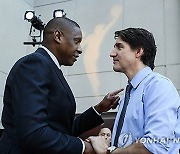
(115, 61)
(75, 57)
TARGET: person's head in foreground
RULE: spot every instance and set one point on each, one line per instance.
(106, 133)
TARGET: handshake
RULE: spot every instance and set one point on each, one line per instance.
(98, 144)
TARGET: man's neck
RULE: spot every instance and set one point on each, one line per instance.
(133, 71)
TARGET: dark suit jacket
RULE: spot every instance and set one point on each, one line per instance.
(39, 110)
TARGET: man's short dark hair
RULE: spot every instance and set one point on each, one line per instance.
(59, 23)
(140, 38)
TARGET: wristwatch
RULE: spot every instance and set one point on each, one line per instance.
(111, 149)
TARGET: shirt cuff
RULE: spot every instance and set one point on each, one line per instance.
(96, 111)
(83, 149)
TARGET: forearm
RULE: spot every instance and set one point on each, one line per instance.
(135, 148)
(47, 140)
(85, 122)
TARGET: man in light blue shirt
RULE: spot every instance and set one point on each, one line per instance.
(151, 122)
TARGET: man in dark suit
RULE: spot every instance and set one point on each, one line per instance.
(39, 108)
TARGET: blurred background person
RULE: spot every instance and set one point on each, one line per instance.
(106, 133)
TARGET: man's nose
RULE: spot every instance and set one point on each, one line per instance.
(79, 50)
(113, 53)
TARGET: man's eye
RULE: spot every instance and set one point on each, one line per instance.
(117, 46)
(77, 41)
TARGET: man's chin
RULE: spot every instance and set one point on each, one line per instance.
(69, 63)
(116, 69)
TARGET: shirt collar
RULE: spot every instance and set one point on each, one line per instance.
(51, 55)
(140, 76)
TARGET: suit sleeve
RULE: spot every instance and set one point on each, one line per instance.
(86, 121)
(29, 87)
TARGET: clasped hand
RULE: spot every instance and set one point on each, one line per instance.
(98, 144)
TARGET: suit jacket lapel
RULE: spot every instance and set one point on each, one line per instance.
(60, 76)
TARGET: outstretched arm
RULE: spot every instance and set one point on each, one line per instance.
(110, 101)
(85, 121)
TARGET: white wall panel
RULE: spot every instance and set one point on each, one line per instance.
(161, 69)
(2, 84)
(95, 84)
(39, 3)
(46, 11)
(13, 32)
(30, 2)
(172, 31)
(1, 106)
(3, 77)
(85, 102)
(173, 73)
(148, 14)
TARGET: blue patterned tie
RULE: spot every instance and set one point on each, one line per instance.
(123, 112)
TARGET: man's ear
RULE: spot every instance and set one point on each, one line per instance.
(139, 52)
(58, 36)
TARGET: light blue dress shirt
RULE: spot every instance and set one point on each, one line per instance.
(152, 115)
